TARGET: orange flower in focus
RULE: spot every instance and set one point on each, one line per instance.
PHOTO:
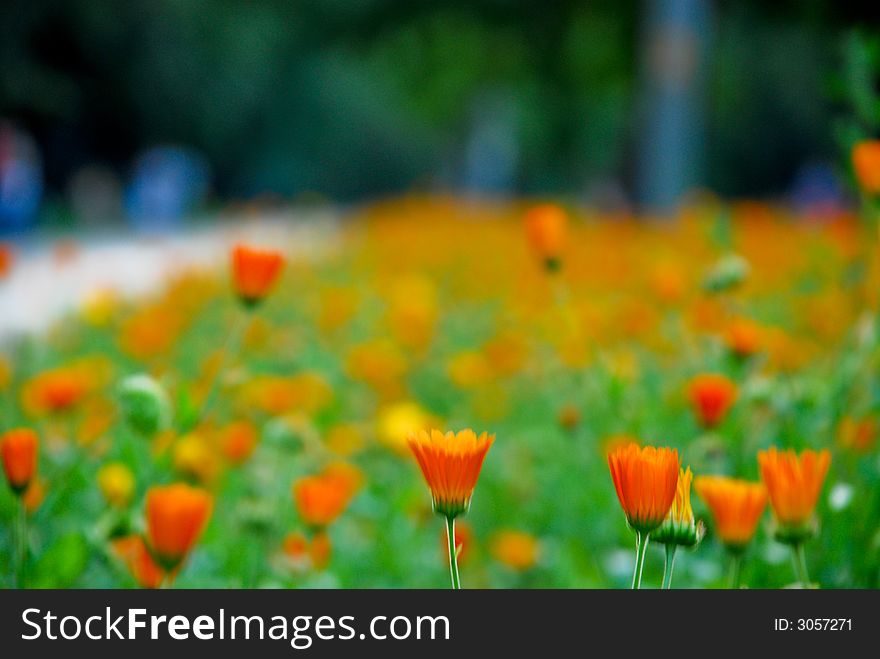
(254, 272)
(515, 549)
(176, 516)
(132, 550)
(711, 396)
(238, 441)
(645, 480)
(866, 163)
(736, 507)
(19, 451)
(545, 228)
(794, 483)
(451, 465)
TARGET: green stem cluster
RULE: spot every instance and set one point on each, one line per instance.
(800, 564)
(642, 540)
(669, 566)
(453, 553)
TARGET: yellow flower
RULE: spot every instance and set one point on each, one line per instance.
(116, 483)
(194, 456)
(679, 527)
(395, 422)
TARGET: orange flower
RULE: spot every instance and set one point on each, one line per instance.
(55, 391)
(794, 483)
(238, 441)
(711, 396)
(296, 547)
(736, 507)
(320, 499)
(515, 549)
(451, 465)
(743, 337)
(33, 496)
(134, 553)
(19, 450)
(645, 480)
(320, 549)
(545, 229)
(858, 434)
(300, 551)
(176, 516)
(866, 162)
(6, 259)
(254, 272)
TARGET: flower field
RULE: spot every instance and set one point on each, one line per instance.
(257, 424)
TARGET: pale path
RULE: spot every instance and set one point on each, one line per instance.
(44, 285)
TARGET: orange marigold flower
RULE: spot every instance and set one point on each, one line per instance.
(6, 259)
(743, 337)
(645, 480)
(712, 395)
(132, 550)
(545, 228)
(55, 391)
(238, 441)
(794, 483)
(321, 498)
(176, 516)
(296, 546)
(858, 434)
(19, 450)
(33, 496)
(254, 272)
(320, 549)
(451, 465)
(515, 549)
(866, 163)
(736, 507)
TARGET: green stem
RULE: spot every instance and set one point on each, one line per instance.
(230, 347)
(641, 550)
(735, 570)
(20, 542)
(669, 566)
(800, 564)
(453, 554)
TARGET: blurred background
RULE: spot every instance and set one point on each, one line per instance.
(150, 109)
